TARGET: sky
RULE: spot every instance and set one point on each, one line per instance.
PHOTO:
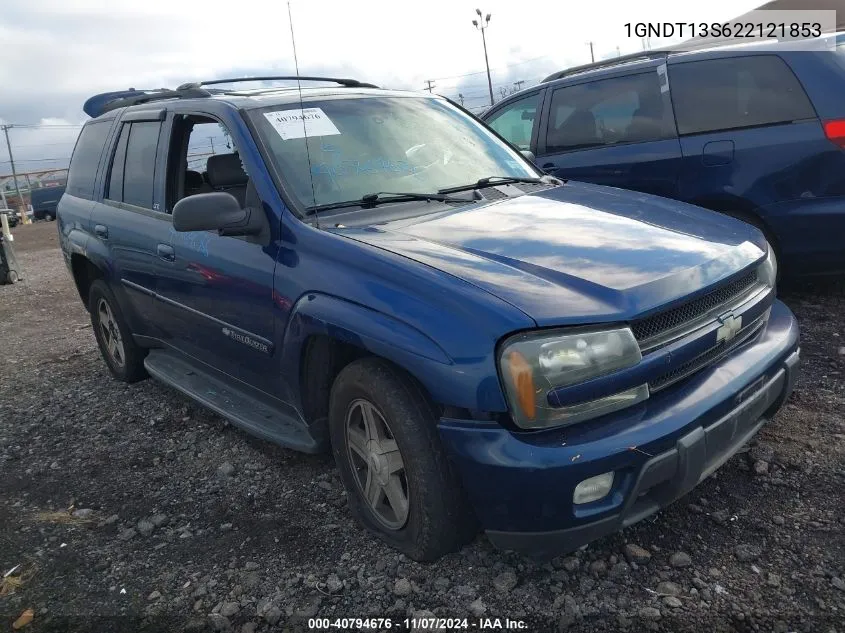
(57, 53)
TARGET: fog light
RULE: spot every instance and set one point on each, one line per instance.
(593, 488)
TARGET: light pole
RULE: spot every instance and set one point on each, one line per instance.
(482, 26)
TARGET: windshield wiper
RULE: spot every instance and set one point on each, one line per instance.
(382, 197)
(499, 180)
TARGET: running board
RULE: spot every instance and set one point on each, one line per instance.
(240, 408)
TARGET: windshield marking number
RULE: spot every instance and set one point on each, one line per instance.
(289, 123)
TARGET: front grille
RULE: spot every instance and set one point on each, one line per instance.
(655, 325)
(707, 358)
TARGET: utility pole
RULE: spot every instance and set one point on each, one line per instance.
(461, 97)
(592, 55)
(211, 139)
(485, 23)
(24, 218)
(518, 84)
(430, 84)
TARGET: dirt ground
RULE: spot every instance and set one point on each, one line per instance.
(128, 507)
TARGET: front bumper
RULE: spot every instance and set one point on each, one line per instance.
(521, 484)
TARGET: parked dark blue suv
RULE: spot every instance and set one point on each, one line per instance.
(755, 132)
(377, 273)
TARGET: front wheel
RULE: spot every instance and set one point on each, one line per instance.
(124, 358)
(397, 477)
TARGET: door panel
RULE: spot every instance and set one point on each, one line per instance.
(617, 131)
(648, 167)
(130, 231)
(215, 293)
(217, 303)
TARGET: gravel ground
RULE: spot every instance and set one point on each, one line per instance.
(131, 508)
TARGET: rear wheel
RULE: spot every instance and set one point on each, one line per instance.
(12, 277)
(398, 480)
(124, 358)
(49, 217)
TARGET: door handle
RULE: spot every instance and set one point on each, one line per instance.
(166, 252)
(101, 231)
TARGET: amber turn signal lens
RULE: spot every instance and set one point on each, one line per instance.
(523, 379)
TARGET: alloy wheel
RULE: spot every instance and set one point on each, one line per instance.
(377, 464)
(111, 333)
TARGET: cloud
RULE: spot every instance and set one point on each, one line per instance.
(56, 53)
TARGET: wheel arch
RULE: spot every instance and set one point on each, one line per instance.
(326, 333)
(84, 273)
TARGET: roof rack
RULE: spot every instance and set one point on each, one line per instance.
(107, 101)
(609, 63)
(348, 83)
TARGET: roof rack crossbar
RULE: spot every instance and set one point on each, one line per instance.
(609, 63)
(349, 83)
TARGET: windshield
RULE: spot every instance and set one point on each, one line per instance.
(381, 144)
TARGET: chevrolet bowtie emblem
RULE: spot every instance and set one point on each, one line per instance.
(731, 325)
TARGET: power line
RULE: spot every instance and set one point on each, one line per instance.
(35, 160)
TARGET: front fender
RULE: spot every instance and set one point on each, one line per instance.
(468, 383)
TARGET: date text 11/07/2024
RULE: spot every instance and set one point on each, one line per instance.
(417, 624)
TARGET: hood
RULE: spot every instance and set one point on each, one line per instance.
(578, 253)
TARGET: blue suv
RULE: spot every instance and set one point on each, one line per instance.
(754, 132)
(378, 274)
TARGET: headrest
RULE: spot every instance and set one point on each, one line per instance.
(225, 170)
(193, 180)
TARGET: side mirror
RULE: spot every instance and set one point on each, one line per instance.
(217, 211)
(529, 155)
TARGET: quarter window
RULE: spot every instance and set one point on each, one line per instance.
(629, 109)
(86, 158)
(736, 92)
(515, 122)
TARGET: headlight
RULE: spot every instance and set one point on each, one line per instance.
(768, 270)
(535, 363)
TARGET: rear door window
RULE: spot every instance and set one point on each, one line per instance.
(86, 158)
(629, 109)
(139, 170)
(132, 176)
(736, 92)
(515, 121)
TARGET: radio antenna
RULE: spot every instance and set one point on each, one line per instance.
(302, 116)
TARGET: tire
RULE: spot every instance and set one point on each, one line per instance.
(12, 277)
(438, 519)
(49, 217)
(112, 333)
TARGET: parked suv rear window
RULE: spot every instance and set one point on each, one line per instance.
(736, 92)
(86, 157)
(628, 109)
(133, 166)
